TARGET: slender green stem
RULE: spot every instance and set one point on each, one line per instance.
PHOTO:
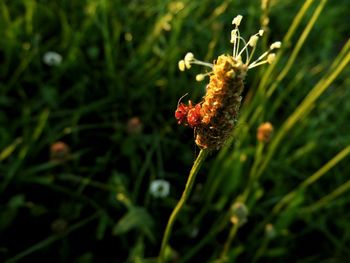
(231, 236)
(303, 109)
(252, 177)
(310, 180)
(297, 48)
(327, 199)
(209, 236)
(262, 248)
(189, 184)
(313, 178)
(243, 198)
(269, 72)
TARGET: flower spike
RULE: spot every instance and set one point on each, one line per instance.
(215, 116)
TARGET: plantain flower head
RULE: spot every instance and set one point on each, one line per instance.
(215, 116)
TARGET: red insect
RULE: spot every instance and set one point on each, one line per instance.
(181, 113)
(194, 116)
(188, 115)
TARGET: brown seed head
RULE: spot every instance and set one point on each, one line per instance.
(59, 152)
(264, 132)
(134, 126)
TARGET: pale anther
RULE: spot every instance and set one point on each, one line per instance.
(275, 45)
(271, 57)
(253, 40)
(200, 77)
(182, 65)
(237, 20)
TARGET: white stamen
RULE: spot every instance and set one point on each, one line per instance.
(254, 64)
(262, 56)
(233, 36)
(243, 49)
(198, 62)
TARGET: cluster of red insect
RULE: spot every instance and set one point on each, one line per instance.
(188, 114)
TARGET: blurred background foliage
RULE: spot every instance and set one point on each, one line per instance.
(86, 131)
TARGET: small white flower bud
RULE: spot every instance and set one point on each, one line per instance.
(261, 32)
(159, 188)
(239, 213)
(52, 58)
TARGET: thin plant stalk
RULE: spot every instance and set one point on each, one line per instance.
(310, 180)
(251, 181)
(327, 199)
(218, 227)
(292, 58)
(227, 245)
(186, 193)
(286, 40)
(252, 176)
(334, 194)
(297, 48)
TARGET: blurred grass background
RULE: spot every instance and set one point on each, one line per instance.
(111, 100)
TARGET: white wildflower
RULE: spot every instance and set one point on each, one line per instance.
(52, 58)
(160, 188)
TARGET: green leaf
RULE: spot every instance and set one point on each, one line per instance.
(5, 153)
(101, 228)
(16, 201)
(135, 218)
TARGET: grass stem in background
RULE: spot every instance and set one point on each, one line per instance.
(312, 179)
(227, 245)
(303, 109)
(48, 241)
